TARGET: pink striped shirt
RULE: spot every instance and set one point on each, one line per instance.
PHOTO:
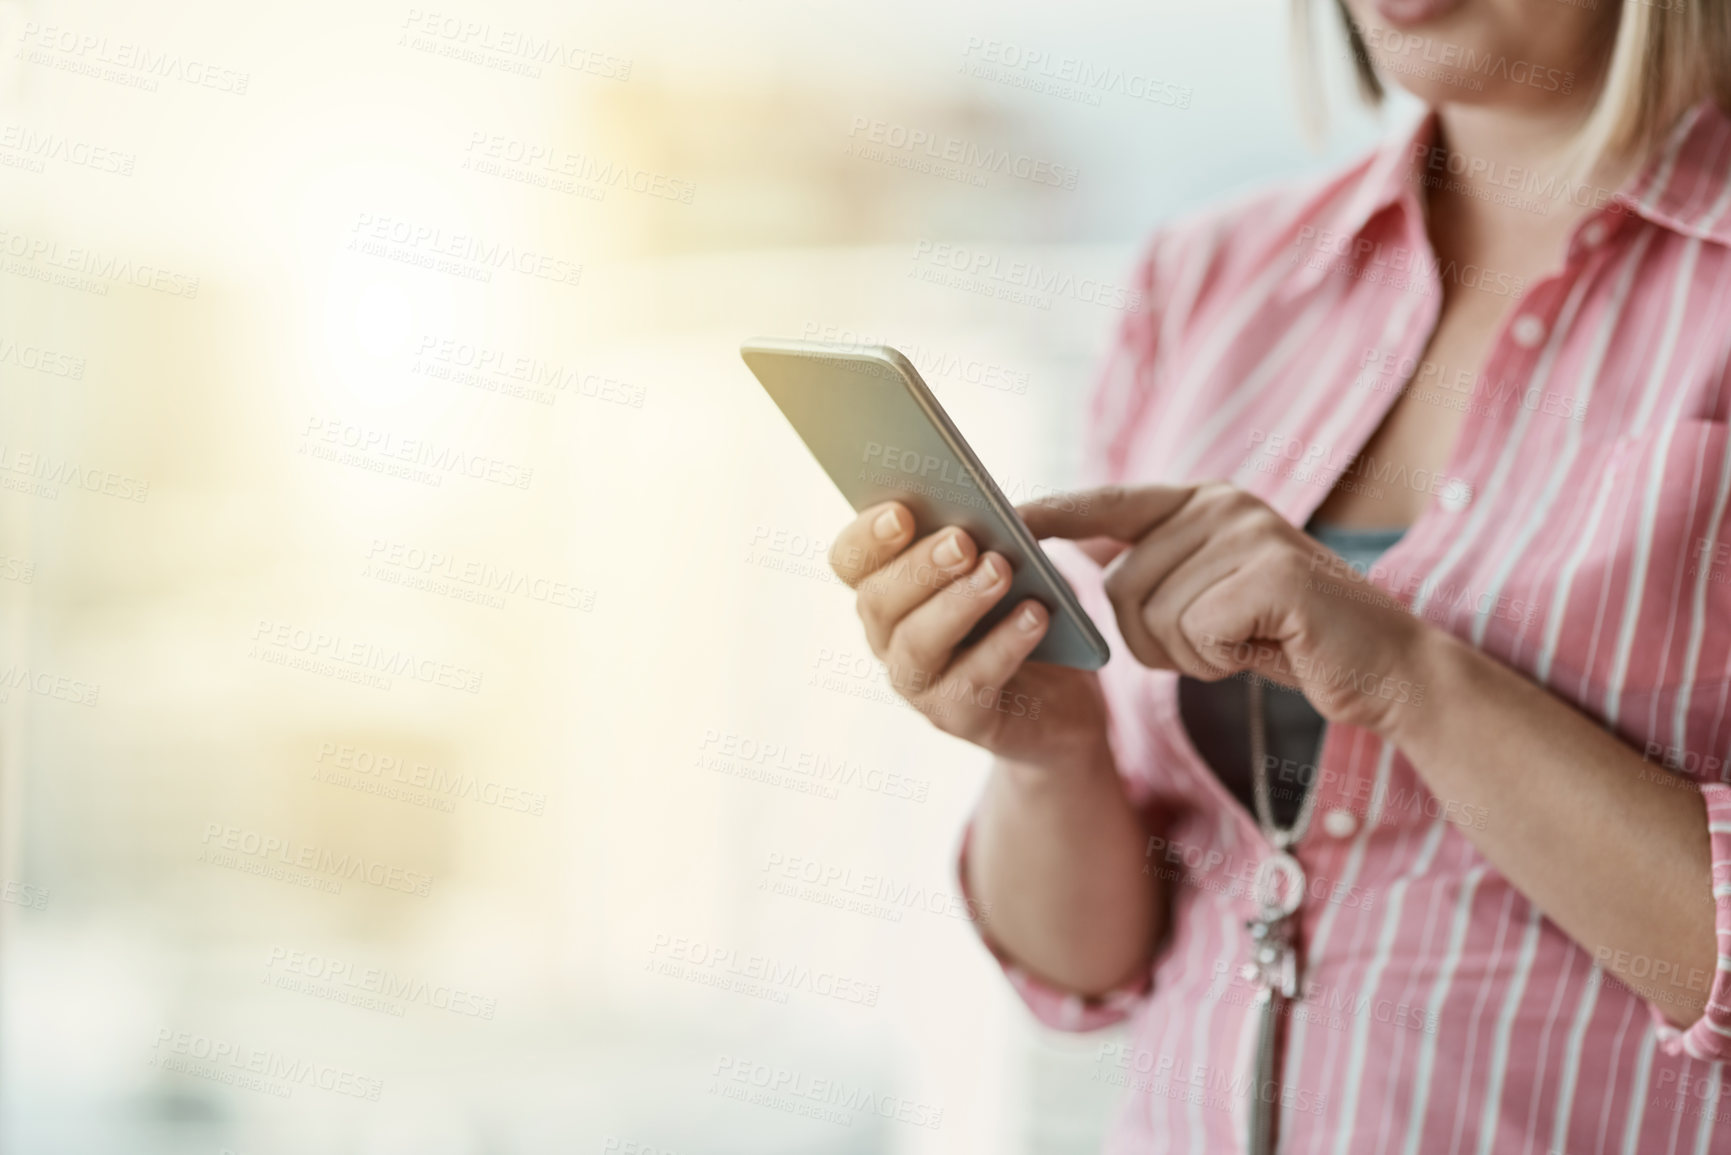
(1578, 534)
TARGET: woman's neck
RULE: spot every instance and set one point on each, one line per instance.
(1514, 193)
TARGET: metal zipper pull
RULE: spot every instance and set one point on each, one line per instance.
(1262, 1116)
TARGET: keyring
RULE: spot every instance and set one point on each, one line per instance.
(1279, 895)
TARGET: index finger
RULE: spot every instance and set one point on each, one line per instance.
(1117, 512)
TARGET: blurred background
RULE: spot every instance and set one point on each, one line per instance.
(427, 724)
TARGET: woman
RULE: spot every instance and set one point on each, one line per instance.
(1486, 369)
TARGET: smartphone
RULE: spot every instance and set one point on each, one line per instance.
(881, 436)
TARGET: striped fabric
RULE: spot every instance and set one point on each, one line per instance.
(1578, 534)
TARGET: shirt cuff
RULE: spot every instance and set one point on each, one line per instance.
(1709, 1037)
(1055, 1007)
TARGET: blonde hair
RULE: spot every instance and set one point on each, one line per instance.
(1666, 56)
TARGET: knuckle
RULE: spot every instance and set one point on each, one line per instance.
(893, 654)
(1156, 615)
(1147, 652)
(843, 553)
(1243, 533)
(997, 664)
(931, 702)
(909, 655)
(854, 564)
(935, 713)
(964, 600)
(1287, 567)
(1202, 638)
(1193, 629)
(870, 612)
(1142, 647)
(874, 585)
(960, 717)
(1237, 501)
(1164, 639)
(1121, 586)
(1262, 517)
(1111, 497)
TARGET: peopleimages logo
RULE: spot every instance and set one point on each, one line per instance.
(30, 149)
(480, 42)
(1068, 77)
(279, 643)
(46, 685)
(389, 452)
(831, 1100)
(932, 471)
(133, 65)
(465, 254)
(929, 361)
(91, 269)
(539, 163)
(1398, 266)
(370, 987)
(1540, 186)
(40, 360)
(51, 473)
(746, 756)
(255, 1068)
(1021, 281)
(495, 369)
(222, 839)
(783, 874)
(1478, 65)
(966, 154)
(916, 464)
(708, 964)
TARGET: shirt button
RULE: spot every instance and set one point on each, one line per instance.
(1528, 331)
(1456, 495)
(1594, 234)
(1340, 823)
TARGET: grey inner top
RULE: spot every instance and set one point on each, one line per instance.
(1216, 714)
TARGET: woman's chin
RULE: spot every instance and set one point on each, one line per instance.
(1434, 92)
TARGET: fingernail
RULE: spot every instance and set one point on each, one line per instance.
(887, 525)
(987, 575)
(1028, 620)
(949, 552)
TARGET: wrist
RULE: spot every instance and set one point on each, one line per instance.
(1083, 761)
(1429, 661)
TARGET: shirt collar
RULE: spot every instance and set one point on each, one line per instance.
(1392, 177)
(1386, 178)
(1684, 186)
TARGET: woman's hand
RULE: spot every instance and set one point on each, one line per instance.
(919, 599)
(1209, 581)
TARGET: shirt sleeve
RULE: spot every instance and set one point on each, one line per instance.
(1052, 1005)
(1709, 1037)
